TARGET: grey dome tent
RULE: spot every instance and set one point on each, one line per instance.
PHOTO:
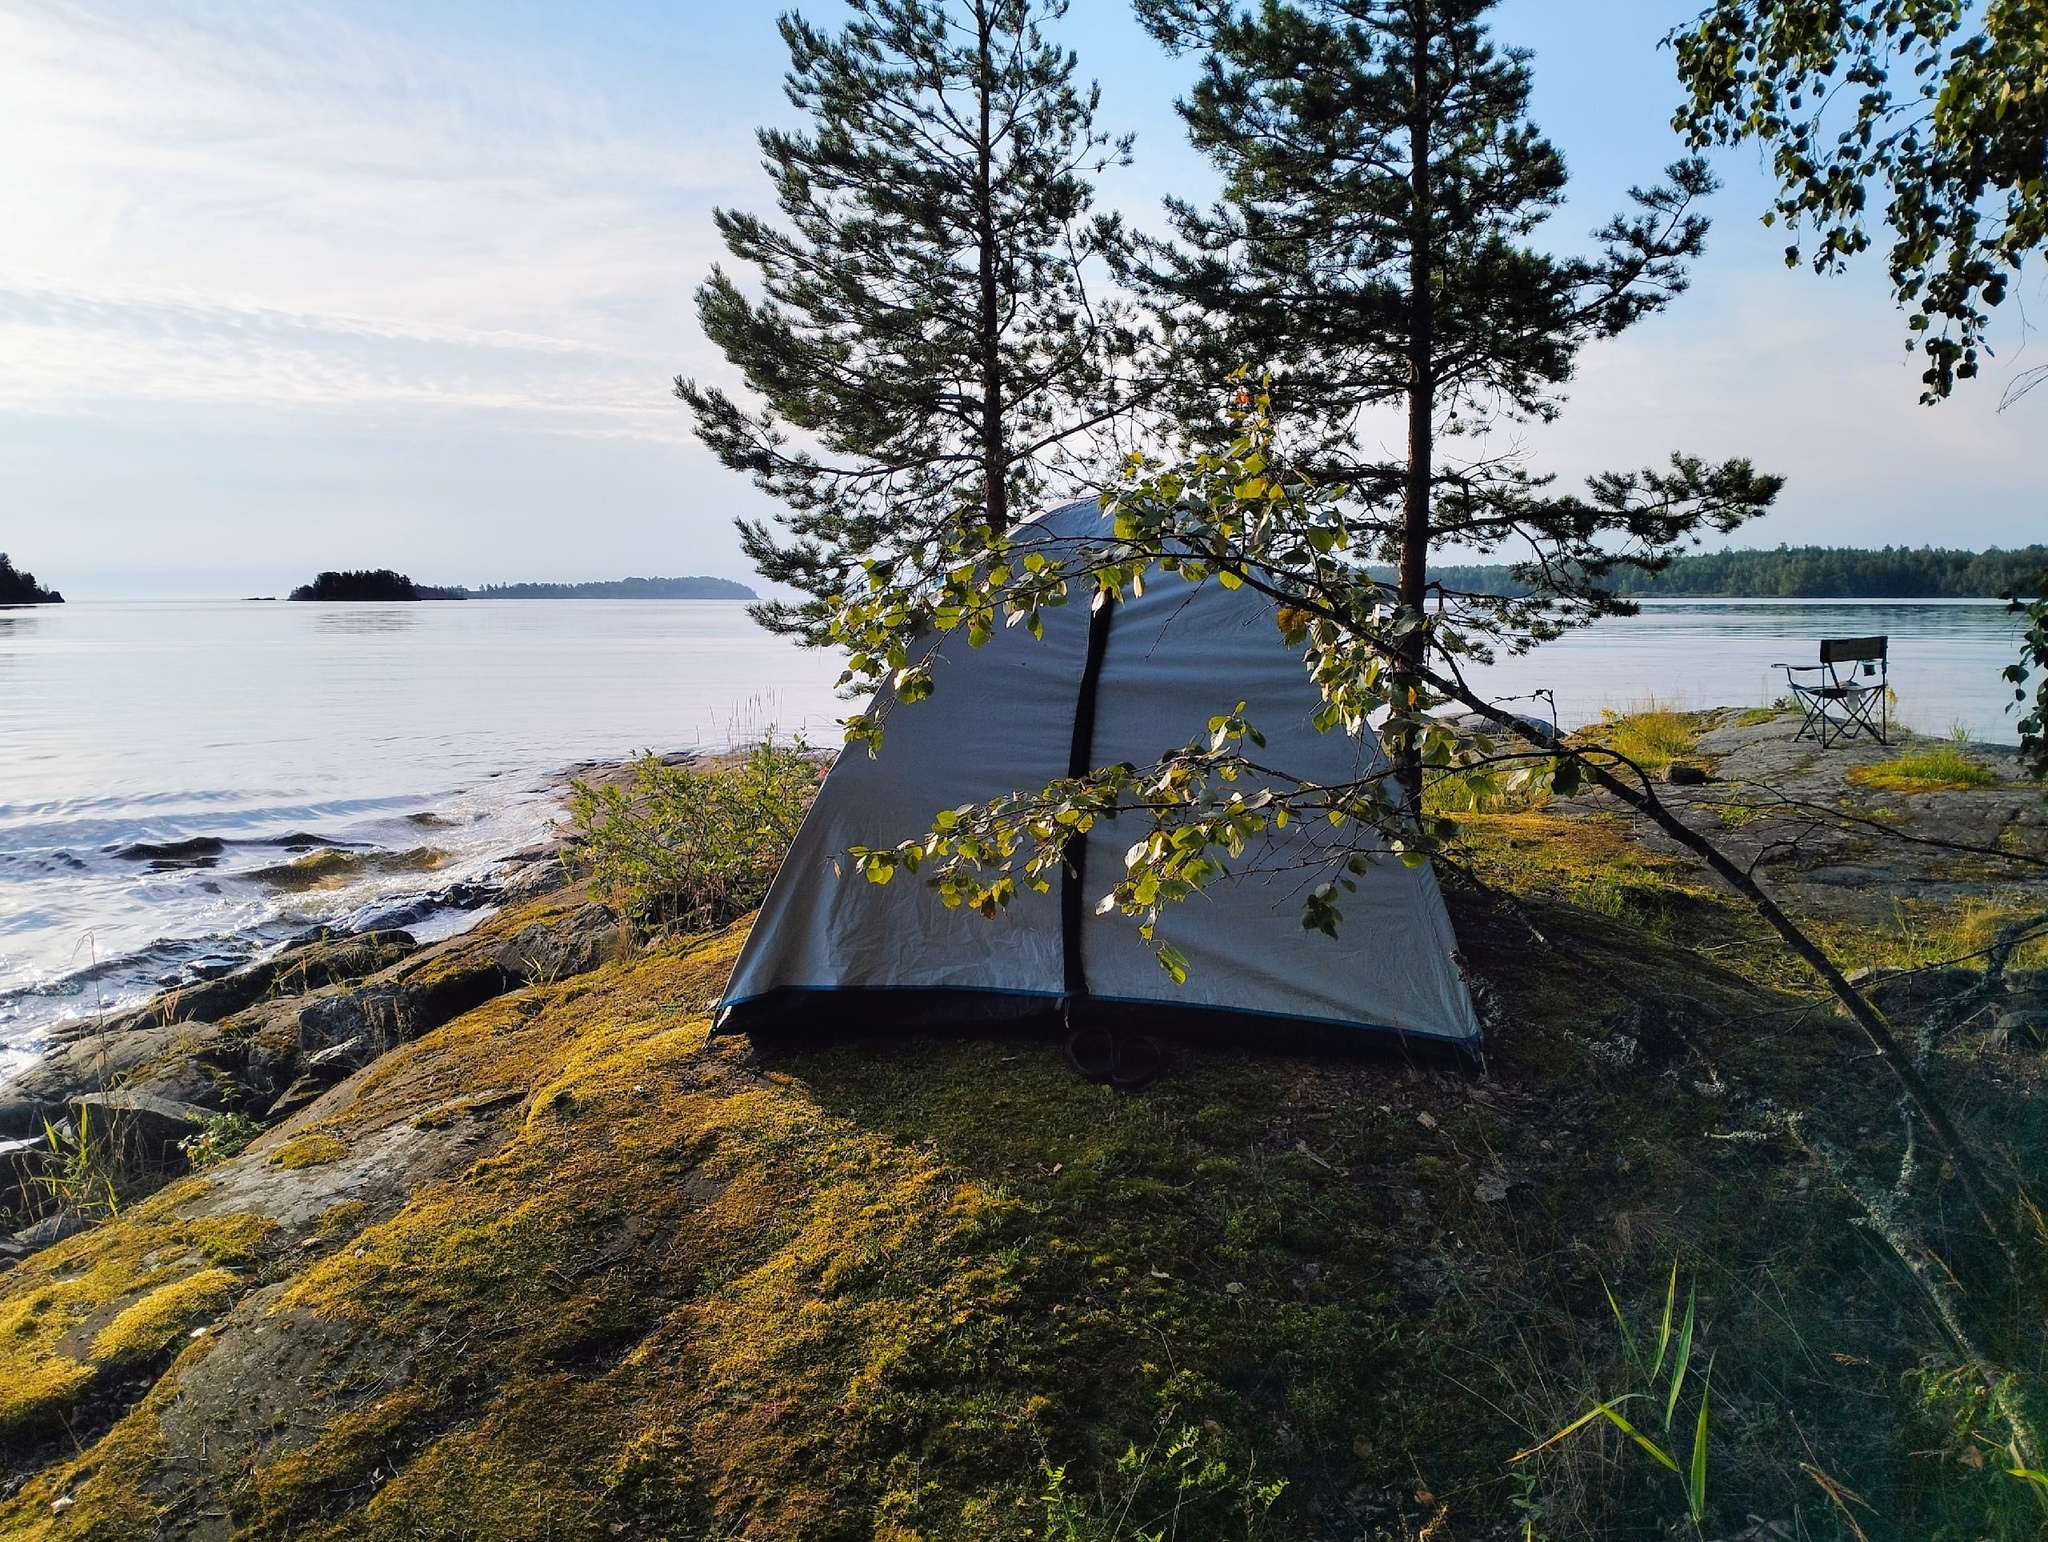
(833, 953)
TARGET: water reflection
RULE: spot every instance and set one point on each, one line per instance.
(360, 620)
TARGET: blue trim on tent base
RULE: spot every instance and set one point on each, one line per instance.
(797, 1015)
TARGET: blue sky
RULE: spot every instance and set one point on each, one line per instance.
(315, 284)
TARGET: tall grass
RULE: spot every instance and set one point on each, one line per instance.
(1650, 733)
(1941, 768)
(689, 848)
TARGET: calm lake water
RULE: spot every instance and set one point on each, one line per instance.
(444, 730)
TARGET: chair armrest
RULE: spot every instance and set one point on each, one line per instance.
(1796, 668)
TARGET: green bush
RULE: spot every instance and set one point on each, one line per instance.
(221, 1137)
(688, 848)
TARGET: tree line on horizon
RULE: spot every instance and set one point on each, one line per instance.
(694, 588)
(385, 584)
(1801, 573)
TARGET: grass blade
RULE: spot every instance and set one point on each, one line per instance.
(1636, 1435)
(1696, 1485)
(1579, 1423)
(1664, 1330)
(1598, 1410)
(1680, 1362)
(1628, 1339)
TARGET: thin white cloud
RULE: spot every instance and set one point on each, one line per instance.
(277, 205)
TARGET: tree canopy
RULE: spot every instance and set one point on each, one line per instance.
(1929, 116)
(1372, 249)
(922, 342)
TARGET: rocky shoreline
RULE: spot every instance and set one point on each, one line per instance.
(267, 1040)
(126, 1090)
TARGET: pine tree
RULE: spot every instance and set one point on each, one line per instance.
(1381, 180)
(924, 346)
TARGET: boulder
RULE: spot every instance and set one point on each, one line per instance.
(136, 1125)
(334, 959)
(191, 1070)
(192, 850)
(85, 1063)
(295, 1097)
(380, 1017)
(531, 875)
(49, 1231)
(544, 952)
(319, 1071)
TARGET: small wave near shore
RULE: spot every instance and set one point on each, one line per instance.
(102, 908)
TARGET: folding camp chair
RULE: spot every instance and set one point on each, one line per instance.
(1850, 693)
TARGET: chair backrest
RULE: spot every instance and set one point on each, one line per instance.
(1850, 650)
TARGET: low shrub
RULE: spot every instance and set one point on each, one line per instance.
(221, 1137)
(688, 848)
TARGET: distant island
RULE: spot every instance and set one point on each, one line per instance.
(370, 584)
(1800, 573)
(384, 584)
(19, 588)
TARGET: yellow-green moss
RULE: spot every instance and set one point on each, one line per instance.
(31, 1393)
(149, 1327)
(351, 1447)
(116, 1292)
(342, 1217)
(313, 1149)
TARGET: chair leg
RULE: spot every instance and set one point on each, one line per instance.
(1812, 719)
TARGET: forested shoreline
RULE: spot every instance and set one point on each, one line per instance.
(1797, 573)
(20, 588)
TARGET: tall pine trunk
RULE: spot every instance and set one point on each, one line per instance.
(994, 458)
(1413, 579)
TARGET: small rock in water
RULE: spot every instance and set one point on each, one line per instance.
(301, 840)
(185, 851)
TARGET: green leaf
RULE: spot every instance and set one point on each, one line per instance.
(1684, 1358)
(1664, 1329)
(1173, 962)
(1656, 1451)
(1696, 1485)
(1628, 1339)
